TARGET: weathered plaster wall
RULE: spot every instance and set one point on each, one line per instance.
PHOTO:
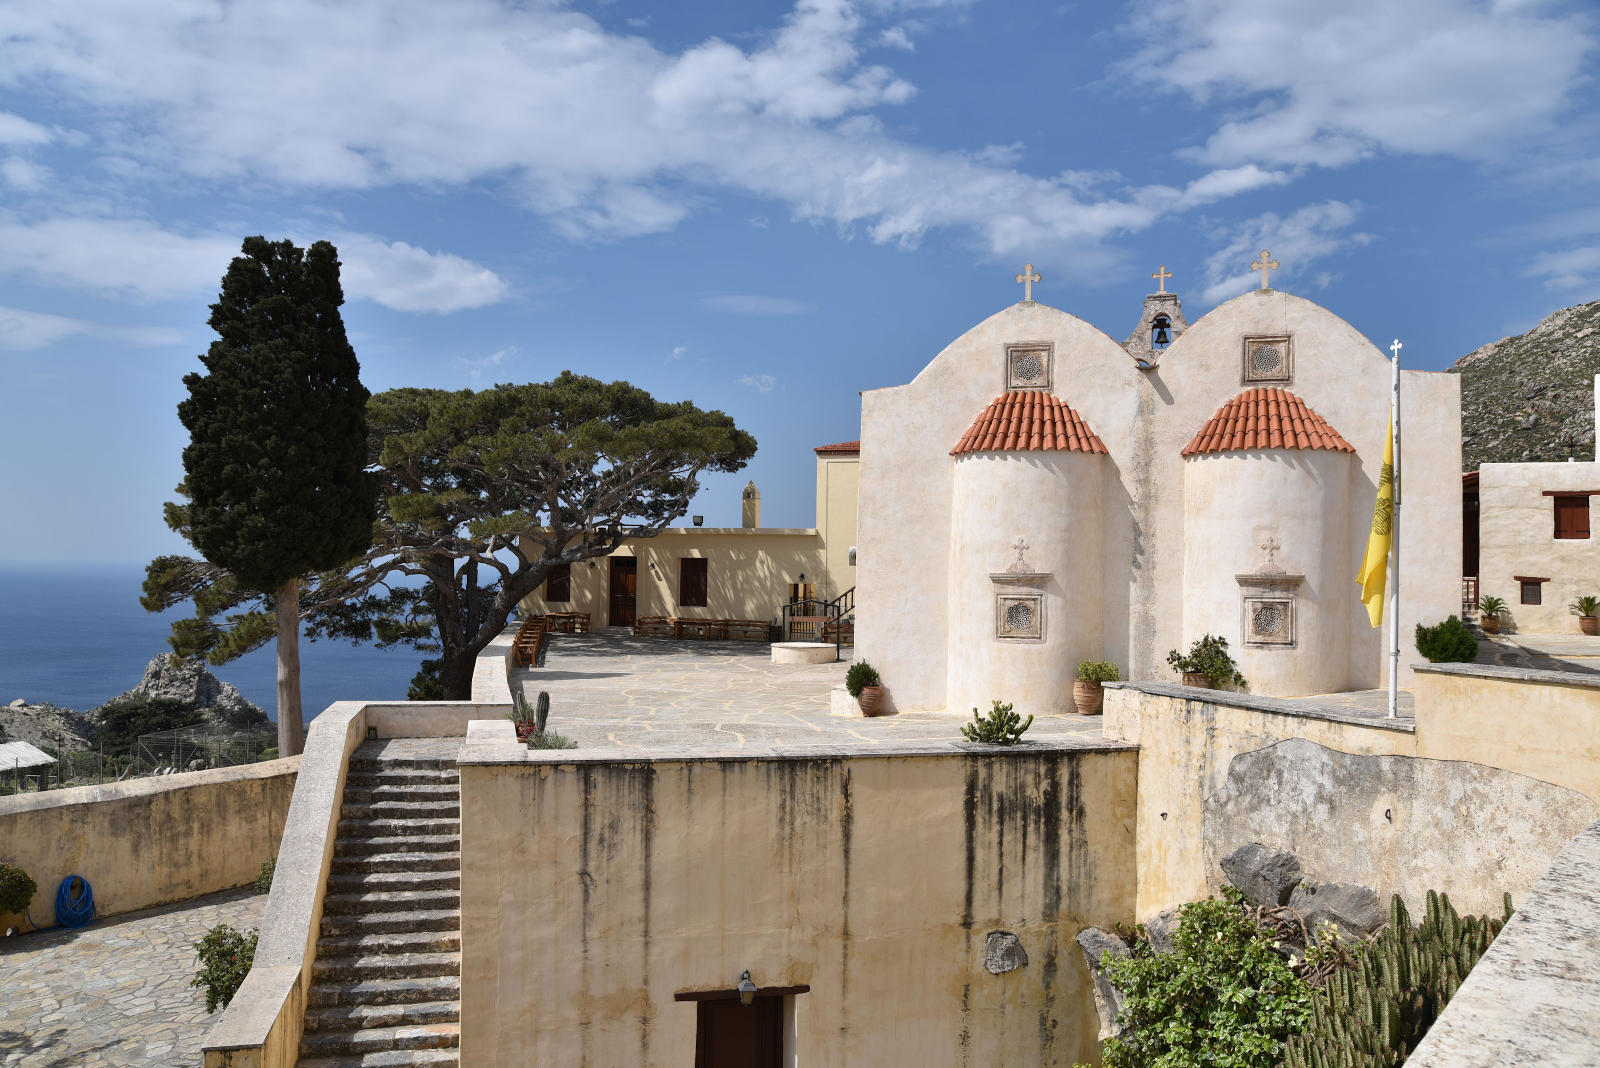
(1516, 536)
(1145, 418)
(149, 841)
(838, 483)
(1398, 824)
(593, 892)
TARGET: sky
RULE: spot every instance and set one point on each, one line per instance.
(764, 208)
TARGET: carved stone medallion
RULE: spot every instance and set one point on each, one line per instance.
(1028, 365)
(1269, 359)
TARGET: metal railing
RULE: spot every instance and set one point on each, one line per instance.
(810, 619)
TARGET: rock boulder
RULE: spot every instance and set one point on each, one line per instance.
(1266, 876)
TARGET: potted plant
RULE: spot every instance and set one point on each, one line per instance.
(1489, 609)
(864, 685)
(1587, 609)
(1087, 692)
(1207, 663)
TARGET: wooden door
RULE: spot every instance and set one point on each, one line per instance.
(730, 1035)
(624, 590)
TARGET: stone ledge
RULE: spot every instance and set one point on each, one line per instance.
(1514, 674)
(1297, 707)
(500, 753)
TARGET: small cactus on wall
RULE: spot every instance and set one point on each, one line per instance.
(1001, 726)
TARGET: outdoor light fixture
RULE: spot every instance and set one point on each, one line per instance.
(699, 520)
(372, 734)
(747, 988)
(802, 578)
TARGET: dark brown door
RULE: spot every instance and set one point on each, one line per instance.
(624, 590)
(733, 1036)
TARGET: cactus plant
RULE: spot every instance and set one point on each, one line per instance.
(1000, 727)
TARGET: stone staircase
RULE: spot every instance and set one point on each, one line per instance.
(386, 985)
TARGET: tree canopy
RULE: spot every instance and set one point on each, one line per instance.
(483, 493)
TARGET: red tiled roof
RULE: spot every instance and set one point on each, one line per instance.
(1028, 420)
(1266, 418)
(843, 446)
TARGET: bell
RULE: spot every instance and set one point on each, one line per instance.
(1162, 337)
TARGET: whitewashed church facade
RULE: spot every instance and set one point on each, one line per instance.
(1040, 493)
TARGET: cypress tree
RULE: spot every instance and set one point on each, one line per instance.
(275, 467)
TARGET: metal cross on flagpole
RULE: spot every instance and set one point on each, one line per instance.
(1394, 544)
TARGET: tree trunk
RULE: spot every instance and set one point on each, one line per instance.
(455, 673)
(291, 727)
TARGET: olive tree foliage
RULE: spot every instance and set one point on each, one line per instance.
(483, 494)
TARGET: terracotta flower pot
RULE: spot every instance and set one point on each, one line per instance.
(1589, 624)
(1087, 696)
(871, 700)
(1194, 678)
(1490, 624)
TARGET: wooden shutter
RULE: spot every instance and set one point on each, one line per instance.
(692, 582)
(558, 584)
(1572, 517)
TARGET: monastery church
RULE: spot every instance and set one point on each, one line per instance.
(1040, 494)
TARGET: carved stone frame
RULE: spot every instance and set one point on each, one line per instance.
(1284, 376)
(1284, 602)
(1004, 599)
(1044, 351)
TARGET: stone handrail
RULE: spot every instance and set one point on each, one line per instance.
(262, 1026)
(491, 673)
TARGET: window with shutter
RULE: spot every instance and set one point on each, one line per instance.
(558, 584)
(1572, 517)
(692, 582)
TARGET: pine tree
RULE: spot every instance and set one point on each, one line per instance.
(275, 467)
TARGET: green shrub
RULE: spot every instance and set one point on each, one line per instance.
(551, 740)
(16, 889)
(1585, 606)
(859, 677)
(1222, 997)
(1449, 642)
(1000, 727)
(225, 957)
(1208, 656)
(1373, 1016)
(1098, 671)
(124, 719)
(269, 868)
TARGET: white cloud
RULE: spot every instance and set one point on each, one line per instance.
(760, 383)
(603, 134)
(755, 304)
(23, 330)
(24, 175)
(677, 353)
(16, 130)
(479, 367)
(138, 259)
(1327, 84)
(1572, 269)
(896, 37)
(1311, 233)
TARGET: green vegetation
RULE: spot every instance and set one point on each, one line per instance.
(275, 481)
(1585, 606)
(1491, 605)
(1449, 642)
(269, 868)
(551, 740)
(859, 677)
(1373, 1015)
(1098, 671)
(1208, 656)
(531, 721)
(16, 889)
(1000, 727)
(126, 718)
(225, 957)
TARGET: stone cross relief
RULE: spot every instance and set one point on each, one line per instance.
(1027, 278)
(1265, 265)
(1270, 545)
(1020, 564)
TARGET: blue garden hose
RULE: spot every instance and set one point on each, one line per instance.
(74, 902)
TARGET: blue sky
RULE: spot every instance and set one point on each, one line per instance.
(763, 207)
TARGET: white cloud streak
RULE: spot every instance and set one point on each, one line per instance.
(1574, 268)
(759, 383)
(1309, 234)
(25, 330)
(755, 304)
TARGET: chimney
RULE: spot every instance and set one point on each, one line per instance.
(752, 507)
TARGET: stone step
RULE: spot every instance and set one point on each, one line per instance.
(380, 1040)
(392, 901)
(365, 882)
(367, 763)
(377, 943)
(420, 1058)
(360, 795)
(368, 862)
(386, 991)
(403, 777)
(354, 1017)
(335, 924)
(402, 810)
(387, 966)
(368, 828)
(417, 843)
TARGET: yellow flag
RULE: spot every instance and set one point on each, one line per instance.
(1375, 568)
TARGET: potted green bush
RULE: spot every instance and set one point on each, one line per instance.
(1587, 609)
(1207, 663)
(1088, 692)
(1449, 642)
(1489, 609)
(864, 685)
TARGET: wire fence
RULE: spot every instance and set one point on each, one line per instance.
(161, 753)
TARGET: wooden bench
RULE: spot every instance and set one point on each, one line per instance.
(750, 630)
(695, 628)
(529, 639)
(654, 627)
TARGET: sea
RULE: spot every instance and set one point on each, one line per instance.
(75, 635)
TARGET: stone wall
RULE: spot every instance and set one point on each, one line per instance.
(595, 892)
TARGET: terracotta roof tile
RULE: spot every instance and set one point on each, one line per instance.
(1266, 418)
(843, 446)
(1028, 421)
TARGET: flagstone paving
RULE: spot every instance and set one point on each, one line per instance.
(115, 994)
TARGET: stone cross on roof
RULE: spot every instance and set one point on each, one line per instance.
(1027, 278)
(1270, 545)
(1264, 265)
(1161, 275)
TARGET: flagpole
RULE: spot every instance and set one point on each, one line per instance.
(1394, 543)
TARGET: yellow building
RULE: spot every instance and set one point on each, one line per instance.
(746, 572)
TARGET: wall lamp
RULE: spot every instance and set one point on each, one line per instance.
(747, 988)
